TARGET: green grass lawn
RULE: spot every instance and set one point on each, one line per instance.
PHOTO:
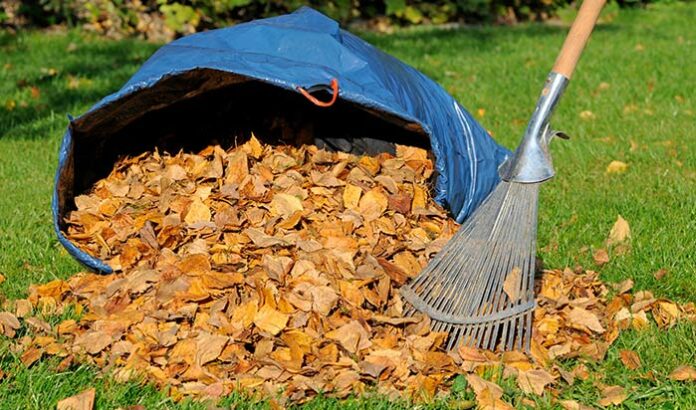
(636, 78)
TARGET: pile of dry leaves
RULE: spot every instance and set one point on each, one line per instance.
(276, 269)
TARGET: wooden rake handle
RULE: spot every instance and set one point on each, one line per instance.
(577, 37)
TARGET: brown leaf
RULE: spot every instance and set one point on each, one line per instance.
(94, 341)
(352, 336)
(534, 381)
(624, 286)
(373, 204)
(394, 272)
(209, 347)
(262, 240)
(80, 401)
(600, 257)
(619, 232)
(612, 395)
(584, 320)
(511, 286)
(30, 356)
(480, 386)
(660, 273)
(471, 354)
(410, 153)
(9, 323)
(630, 359)
(574, 405)
(683, 373)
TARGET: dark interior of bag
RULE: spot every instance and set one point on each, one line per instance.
(205, 107)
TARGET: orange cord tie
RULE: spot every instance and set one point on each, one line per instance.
(313, 99)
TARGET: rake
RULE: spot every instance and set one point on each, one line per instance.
(480, 287)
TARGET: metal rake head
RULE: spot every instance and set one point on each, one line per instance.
(480, 287)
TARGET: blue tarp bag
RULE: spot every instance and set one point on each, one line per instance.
(296, 78)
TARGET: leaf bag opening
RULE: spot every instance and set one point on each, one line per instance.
(218, 87)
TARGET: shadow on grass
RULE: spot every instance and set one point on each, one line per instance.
(105, 65)
(87, 69)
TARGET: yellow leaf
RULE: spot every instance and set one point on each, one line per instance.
(270, 320)
(254, 147)
(81, 401)
(351, 196)
(617, 167)
(237, 167)
(197, 212)
(587, 115)
(285, 205)
(419, 198)
(639, 320)
(619, 232)
(408, 263)
(410, 153)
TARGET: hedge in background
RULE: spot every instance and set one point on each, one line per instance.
(164, 19)
(167, 18)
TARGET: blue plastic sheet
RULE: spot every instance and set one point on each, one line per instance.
(301, 49)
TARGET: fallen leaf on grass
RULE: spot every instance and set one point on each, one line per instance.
(80, 401)
(660, 273)
(623, 286)
(619, 232)
(30, 356)
(534, 381)
(8, 324)
(630, 359)
(574, 405)
(617, 167)
(600, 256)
(612, 395)
(587, 115)
(683, 373)
(488, 394)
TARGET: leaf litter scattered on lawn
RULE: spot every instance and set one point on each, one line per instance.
(276, 269)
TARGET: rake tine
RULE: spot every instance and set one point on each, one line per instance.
(463, 288)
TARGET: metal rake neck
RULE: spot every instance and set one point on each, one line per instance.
(531, 162)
